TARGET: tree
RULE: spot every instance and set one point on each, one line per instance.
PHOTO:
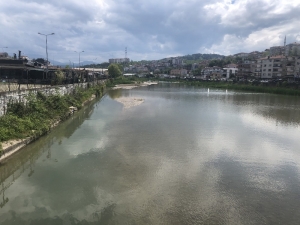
(114, 71)
(59, 77)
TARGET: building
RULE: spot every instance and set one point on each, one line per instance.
(255, 55)
(230, 70)
(3, 55)
(271, 67)
(241, 54)
(177, 62)
(178, 72)
(214, 73)
(297, 68)
(119, 60)
(292, 49)
(277, 50)
(246, 70)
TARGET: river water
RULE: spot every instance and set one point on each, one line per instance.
(185, 156)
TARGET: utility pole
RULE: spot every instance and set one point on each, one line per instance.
(79, 63)
(125, 60)
(46, 51)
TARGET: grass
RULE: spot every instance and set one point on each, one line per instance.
(36, 117)
(282, 90)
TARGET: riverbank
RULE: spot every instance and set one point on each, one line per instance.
(272, 88)
(25, 123)
(134, 85)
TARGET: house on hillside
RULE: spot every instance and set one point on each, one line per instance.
(230, 70)
(214, 73)
(178, 72)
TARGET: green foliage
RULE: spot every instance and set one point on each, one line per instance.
(122, 80)
(246, 87)
(114, 70)
(59, 77)
(39, 113)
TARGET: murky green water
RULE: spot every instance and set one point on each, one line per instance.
(184, 156)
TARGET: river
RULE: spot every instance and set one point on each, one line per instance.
(186, 155)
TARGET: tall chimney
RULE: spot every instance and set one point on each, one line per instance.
(19, 54)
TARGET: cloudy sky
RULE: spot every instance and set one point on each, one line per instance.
(150, 29)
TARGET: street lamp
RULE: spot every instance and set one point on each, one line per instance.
(79, 58)
(79, 64)
(94, 70)
(46, 50)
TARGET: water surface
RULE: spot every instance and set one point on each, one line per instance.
(184, 156)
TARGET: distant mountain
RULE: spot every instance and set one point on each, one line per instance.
(57, 63)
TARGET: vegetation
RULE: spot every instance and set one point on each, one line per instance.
(35, 117)
(284, 89)
(114, 70)
(59, 77)
(124, 80)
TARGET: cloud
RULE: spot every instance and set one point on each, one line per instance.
(149, 29)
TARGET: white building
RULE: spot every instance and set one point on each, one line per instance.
(230, 70)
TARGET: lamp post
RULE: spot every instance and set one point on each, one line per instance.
(94, 70)
(46, 50)
(79, 63)
(79, 58)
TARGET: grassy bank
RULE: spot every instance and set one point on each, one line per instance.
(36, 117)
(260, 88)
(125, 80)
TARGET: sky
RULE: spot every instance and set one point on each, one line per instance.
(149, 29)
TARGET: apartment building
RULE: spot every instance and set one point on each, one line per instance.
(270, 67)
(214, 72)
(119, 60)
(178, 72)
(292, 49)
(246, 69)
(230, 70)
(177, 62)
(297, 68)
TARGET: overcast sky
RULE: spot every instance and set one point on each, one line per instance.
(150, 29)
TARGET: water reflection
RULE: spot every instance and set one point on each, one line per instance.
(181, 157)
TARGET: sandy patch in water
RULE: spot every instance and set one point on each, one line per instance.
(129, 102)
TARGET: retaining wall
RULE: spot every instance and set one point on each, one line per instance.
(21, 96)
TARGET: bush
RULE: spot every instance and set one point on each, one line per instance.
(38, 114)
